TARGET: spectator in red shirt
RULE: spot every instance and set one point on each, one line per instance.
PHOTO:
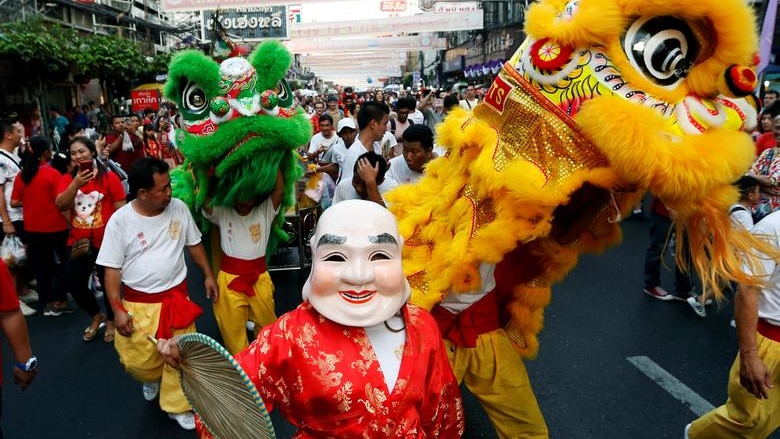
(46, 228)
(15, 329)
(319, 110)
(124, 146)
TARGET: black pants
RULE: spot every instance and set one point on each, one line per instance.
(47, 255)
(79, 273)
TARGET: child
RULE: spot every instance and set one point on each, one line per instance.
(245, 287)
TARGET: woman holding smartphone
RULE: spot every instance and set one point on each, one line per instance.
(89, 194)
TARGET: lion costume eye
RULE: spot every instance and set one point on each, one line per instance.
(662, 48)
(193, 98)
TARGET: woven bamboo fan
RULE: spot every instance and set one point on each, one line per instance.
(220, 392)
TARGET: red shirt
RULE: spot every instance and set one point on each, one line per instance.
(315, 123)
(40, 213)
(764, 142)
(126, 158)
(93, 206)
(9, 302)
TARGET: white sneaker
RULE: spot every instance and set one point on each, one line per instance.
(733, 323)
(151, 390)
(697, 306)
(30, 297)
(26, 309)
(186, 420)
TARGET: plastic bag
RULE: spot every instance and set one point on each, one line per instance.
(12, 251)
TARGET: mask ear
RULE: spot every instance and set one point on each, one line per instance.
(273, 59)
(193, 80)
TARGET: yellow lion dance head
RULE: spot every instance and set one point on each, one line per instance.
(606, 99)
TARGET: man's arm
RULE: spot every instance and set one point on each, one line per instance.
(116, 145)
(8, 226)
(198, 253)
(368, 174)
(113, 286)
(278, 193)
(753, 374)
(15, 329)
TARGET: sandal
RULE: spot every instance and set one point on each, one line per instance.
(90, 333)
(108, 337)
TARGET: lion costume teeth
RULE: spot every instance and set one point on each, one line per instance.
(605, 100)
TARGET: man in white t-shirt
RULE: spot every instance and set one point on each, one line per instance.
(372, 123)
(417, 152)
(13, 221)
(142, 253)
(245, 287)
(470, 100)
(753, 404)
(368, 181)
(321, 142)
(333, 161)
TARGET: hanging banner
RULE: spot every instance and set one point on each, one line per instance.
(411, 43)
(250, 24)
(203, 5)
(420, 23)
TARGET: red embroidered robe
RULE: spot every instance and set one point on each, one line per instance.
(325, 379)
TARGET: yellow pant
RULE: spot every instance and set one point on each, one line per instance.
(233, 309)
(744, 415)
(494, 372)
(141, 360)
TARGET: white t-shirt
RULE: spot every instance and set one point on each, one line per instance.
(336, 154)
(356, 150)
(244, 237)
(400, 172)
(417, 116)
(9, 167)
(456, 303)
(345, 190)
(388, 347)
(149, 250)
(386, 145)
(768, 229)
(740, 215)
(318, 140)
(469, 105)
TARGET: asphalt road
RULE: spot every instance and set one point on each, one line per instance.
(597, 328)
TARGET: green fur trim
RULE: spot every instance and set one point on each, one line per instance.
(272, 60)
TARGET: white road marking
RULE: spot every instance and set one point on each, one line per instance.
(668, 382)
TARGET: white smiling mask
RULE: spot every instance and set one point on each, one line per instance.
(356, 275)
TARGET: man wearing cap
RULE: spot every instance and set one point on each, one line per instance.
(333, 159)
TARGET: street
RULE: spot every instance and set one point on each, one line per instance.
(613, 363)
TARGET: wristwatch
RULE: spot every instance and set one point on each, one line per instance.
(29, 366)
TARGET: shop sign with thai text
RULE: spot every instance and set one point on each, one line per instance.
(250, 24)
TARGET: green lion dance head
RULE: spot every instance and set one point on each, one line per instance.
(240, 126)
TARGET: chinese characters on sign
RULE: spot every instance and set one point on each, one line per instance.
(250, 24)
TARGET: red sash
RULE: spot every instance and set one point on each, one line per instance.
(177, 310)
(769, 330)
(464, 328)
(248, 271)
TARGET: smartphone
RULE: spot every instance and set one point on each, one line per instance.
(86, 166)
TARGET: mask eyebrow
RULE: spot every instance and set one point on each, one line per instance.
(331, 239)
(382, 238)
